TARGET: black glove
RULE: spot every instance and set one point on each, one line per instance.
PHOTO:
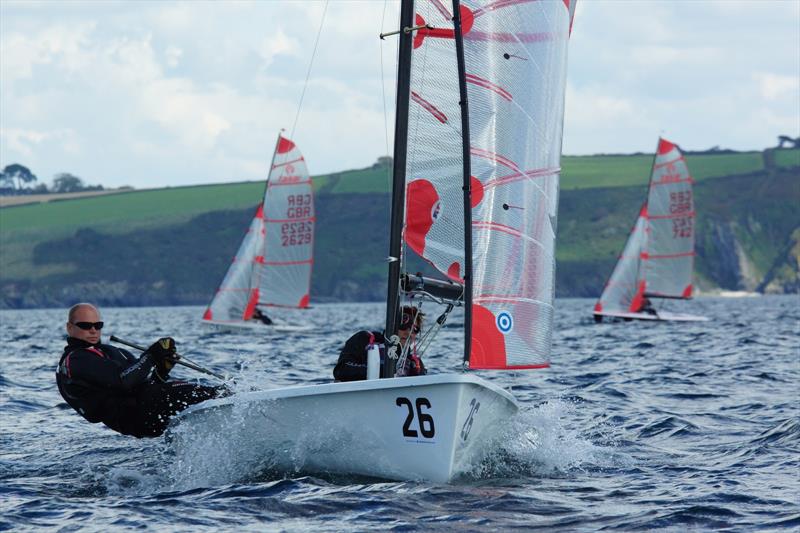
(164, 354)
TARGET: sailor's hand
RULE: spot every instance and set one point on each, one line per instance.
(164, 366)
(162, 349)
(416, 368)
(165, 355)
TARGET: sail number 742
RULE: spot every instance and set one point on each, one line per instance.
(424, 420)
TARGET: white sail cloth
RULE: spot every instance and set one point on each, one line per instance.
(658, 258)
(515, 56)
(273, 264)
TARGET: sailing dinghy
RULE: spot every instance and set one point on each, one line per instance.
(478, 131)
(658, 259)
(272, 267)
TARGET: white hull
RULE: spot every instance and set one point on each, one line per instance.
(662, 316)
(412, 428)
(255, 326)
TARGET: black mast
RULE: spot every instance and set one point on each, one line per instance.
(399, 175)
(467, 186)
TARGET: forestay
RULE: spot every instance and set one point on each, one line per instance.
(515, 55)
(273, 263)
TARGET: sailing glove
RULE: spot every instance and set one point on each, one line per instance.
(164, 354)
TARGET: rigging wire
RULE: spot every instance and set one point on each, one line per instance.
(310, 65)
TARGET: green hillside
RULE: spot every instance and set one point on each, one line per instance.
(177, 242)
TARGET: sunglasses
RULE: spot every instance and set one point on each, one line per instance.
(86, 326)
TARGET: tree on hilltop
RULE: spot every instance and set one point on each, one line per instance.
(17, 172)
(66, 182)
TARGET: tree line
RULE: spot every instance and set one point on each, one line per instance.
(18, 179)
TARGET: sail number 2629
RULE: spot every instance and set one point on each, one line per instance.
(296, 233)
(424, 419)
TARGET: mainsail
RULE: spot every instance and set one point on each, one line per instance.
(513, 75)
(273, 264)
(658, 258)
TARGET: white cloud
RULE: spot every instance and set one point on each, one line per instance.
(172, 56)
(776, 86)
(27, 142)
(147, 93)
(276, 44)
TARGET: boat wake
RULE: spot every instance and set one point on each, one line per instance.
(546, 440)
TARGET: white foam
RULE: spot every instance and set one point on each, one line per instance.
(548, 439)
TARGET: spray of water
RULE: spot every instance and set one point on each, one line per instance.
(547, 440)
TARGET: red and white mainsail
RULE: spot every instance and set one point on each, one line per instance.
(658, 259)
(273, 264)
(515, 54)
(285, 274)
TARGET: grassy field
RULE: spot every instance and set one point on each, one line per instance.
(22, 227)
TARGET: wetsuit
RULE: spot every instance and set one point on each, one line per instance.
(106, 384)
(352, 363)
(258, 315)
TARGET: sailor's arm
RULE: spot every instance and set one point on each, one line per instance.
(102, 371)
(352, 363)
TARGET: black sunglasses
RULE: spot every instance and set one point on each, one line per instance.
(86, 326)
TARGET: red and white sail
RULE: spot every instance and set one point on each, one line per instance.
(668, 258)
(236, 298)
(623, 285)
(289, 219)
(658, 259)
(273, 264)
(515, 56)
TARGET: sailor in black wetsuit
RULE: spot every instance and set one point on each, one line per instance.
(258, 314)
(109, 385)
(647, 307)
(352, 363)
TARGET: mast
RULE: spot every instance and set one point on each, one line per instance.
(398, 175)
(639, 278)
(465, 153)
(255, 275)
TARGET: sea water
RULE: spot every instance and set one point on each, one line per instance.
(636, 426)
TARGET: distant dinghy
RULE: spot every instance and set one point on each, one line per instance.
(658, 259)
(272, 267)
(475, 193)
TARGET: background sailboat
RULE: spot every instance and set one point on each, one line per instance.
(482, 183)
(658, 259)
(272, 267)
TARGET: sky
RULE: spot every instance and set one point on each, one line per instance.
(156, 93)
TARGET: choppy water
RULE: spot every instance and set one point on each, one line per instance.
(641, 426)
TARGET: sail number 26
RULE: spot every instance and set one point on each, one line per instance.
(424, 420)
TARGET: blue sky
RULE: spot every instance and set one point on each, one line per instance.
(173, 93)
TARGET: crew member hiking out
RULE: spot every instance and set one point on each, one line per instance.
(130, 395)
